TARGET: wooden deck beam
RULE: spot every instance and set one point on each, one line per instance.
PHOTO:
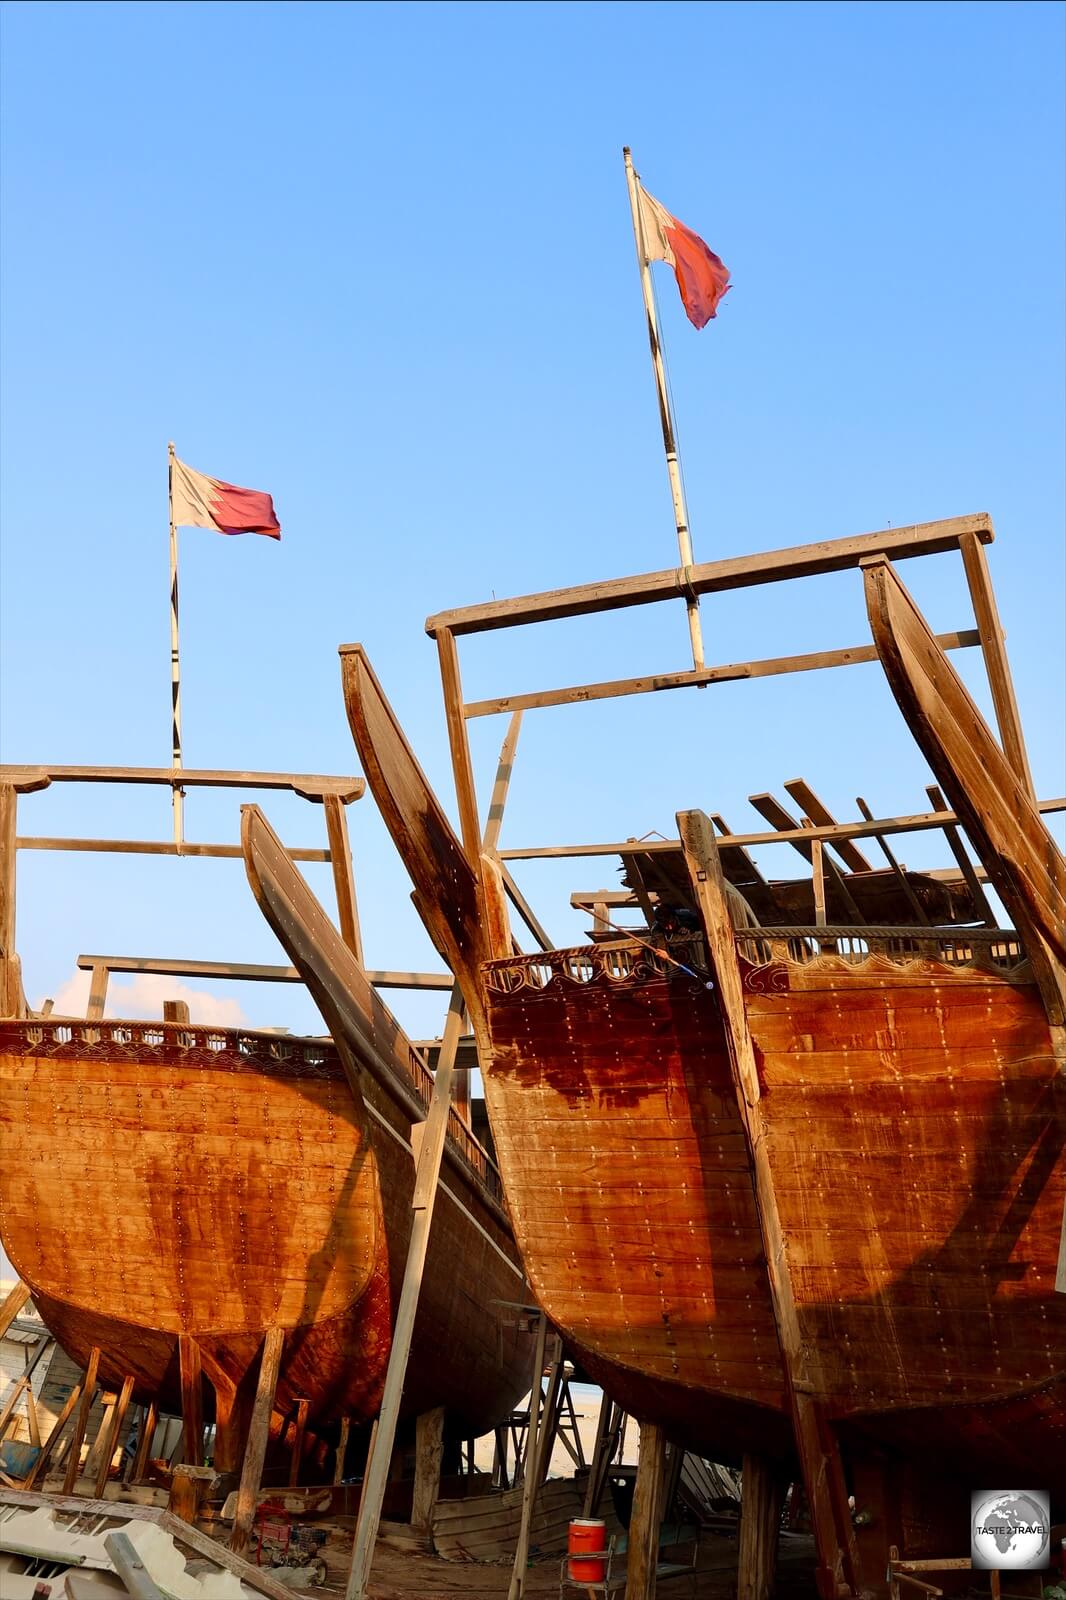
(713, 577)
(309, 785)
(155, 847)
(252, 972)
(734, 672)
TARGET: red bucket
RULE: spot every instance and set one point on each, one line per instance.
(587, 1534)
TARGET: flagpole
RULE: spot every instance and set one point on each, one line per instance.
(677, 492)
(178, 794)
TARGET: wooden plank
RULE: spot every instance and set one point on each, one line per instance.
(11, 1402)
(775, 813)
(713, 577)
(919, 822)
(254, 972)
(192, 1401)
(646, 1517)
(258, 1435)
(88, 1394)
(815, 1443)
(14, 1301)
(818, 812)
(1001, 821)
(154, 847)
(149, 1417)
(340, 855)
(761, 1495)
(422, 1204)
(997, 666)
(49, 1445)
(734, 672)
(310, 785)
(111, 1436)
(981, 906)
(429, 1453)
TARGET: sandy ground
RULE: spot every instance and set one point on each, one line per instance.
(405, 1577)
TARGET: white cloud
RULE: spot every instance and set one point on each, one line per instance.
(141, 998)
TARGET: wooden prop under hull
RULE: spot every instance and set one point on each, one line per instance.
(159, 1180)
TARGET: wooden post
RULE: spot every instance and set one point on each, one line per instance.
(299, 1430)
(647, 1515)
(677, 490)
(889, 855)
(176, 1011)
(14, 1301)
(50, 1443)
(422, 1203)
(981, 904)
(600, 1463)
(177, 792)
(10, 977)
(429, 1452)
(465, 791)
(92, 1459)
(760, 1515)
(529, 1461)
(504, 769)
(192, 1400)
(500, 1477)
(996, 664)
(815, 1442)
(11, 1402)
(550, 1414)
(149, 1417)
(258, 1435)
(342, 1450)
(340, 857)
(88, 1394)
(97, 992)
(112, 1434)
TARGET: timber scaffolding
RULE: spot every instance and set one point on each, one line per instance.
(846, 913)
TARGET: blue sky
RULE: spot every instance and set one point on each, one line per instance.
(378, 261)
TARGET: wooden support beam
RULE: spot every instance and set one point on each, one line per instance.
(112, 1432)
(176, 1011)
(342, 1450)
(917, 823)
(427, 1173)
(50, 1443)
(258, 1435)
(775, 813)
(734, 672)
(92, 1460)
(253, 972)
(714, 577)
(600, 1456)
(12, 1002)
(296, 1450)
(340, 855)
(155, 847)
(997, 666)
(815, 1442)
(761, 1494)
(889, 855)
(814, 808)
(462, 768)
(149, 1418)
(524, 909)
(88, 1394)
(11, 1402)
(982, 907)
(504, 769)
(500, 1477)
(94, 1008)
(646, 1517)
(429, 1453)
(14, 1301)
(192, 1400)
(309, 785)
(31, 1416)
(516, 1587)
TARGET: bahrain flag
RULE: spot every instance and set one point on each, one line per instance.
(701, 276)
(198, 501)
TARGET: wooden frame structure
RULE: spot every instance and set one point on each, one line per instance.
(813, 835)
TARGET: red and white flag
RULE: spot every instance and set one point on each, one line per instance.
(702, 277)
(198, 501)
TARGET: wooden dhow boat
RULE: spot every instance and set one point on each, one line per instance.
(172, 1194)
(794, 1193)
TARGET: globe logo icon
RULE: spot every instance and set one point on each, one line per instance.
(1010, 1529)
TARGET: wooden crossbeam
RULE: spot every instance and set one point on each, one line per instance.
(154, 847)
(812, 807)
(733, 672)
(309, 785)
(775, 813)
(714, 577)
(251, 972)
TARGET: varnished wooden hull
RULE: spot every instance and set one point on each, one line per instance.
(916, 1123)
(161, 1180)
